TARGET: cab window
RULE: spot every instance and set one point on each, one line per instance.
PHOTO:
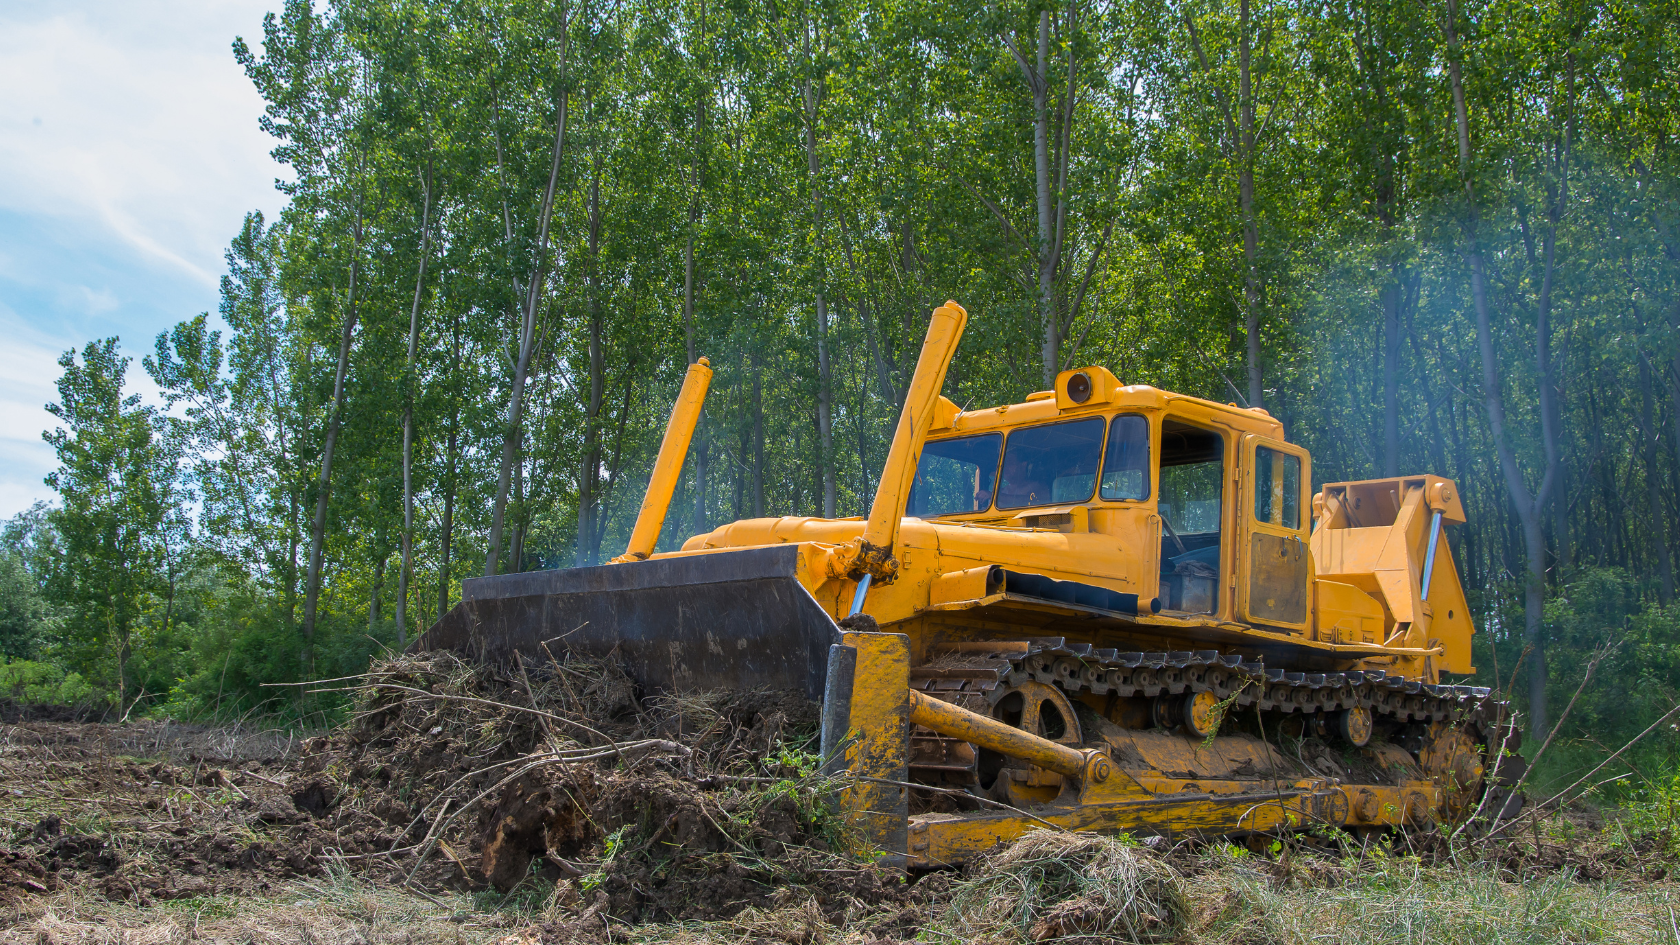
(1190, 504)
(1277, 487)
(955, 476)
(1051, 464)
(1192, 477)
(1125, 475)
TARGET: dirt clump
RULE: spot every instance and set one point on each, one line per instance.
(91, 810)
(21, 874)
(455, 774)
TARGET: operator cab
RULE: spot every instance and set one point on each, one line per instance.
(1201, 506)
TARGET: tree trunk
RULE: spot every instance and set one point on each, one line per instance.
(1528, 506)
(590, 473)
(446, 537)
(527, 341)
(1051, 354)
(758, 440)
(825, 410)
(1674, 408)
(702, 444)
(697, 181)
(877, 357)
(1550, 408)
(1657, 517)
(702, 450)
(614, 461)
(446, 534)
(812, 98)
(866, 317)
(1391, 374)
(410, 380)
(374, 611)
(323, 488)
(1251, 231)
(294, 513)
(516, 543)
(288, 479)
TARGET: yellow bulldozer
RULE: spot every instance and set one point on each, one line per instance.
(1108, 608)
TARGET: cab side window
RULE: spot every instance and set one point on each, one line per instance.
(1277, 488)
(955, 476)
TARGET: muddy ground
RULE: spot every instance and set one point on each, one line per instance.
(465, 804)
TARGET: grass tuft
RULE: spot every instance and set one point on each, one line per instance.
(1059, 885)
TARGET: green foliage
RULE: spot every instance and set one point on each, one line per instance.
(1603, 610)
(120, 518)
(1653, 812)
(31, 683)
(26, 619)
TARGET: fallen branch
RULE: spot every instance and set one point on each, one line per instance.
(492, 704)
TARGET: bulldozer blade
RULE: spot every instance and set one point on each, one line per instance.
(728, 620)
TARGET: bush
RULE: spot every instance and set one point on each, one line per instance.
(32, 683)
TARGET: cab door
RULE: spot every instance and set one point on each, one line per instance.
(1274, 565)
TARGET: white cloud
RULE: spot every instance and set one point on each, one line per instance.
(28, 370)
(135, 118)
(129, 154)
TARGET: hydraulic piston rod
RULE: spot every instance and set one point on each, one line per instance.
(957, 722)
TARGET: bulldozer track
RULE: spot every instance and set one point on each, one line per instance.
(980, 675)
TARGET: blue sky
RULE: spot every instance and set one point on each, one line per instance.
(129, 154)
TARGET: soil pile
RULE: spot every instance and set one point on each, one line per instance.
(562, 778)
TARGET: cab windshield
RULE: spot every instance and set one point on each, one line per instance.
(1050, 464)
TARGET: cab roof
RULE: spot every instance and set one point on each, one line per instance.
(1106, 395)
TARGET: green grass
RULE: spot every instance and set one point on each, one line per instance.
(1407, 904)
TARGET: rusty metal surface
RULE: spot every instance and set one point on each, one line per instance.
(877, 802)
(732, 620)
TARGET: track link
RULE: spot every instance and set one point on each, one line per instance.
(980, 675)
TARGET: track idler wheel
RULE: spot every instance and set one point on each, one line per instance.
(1452, 759)
(1045, 711)
(1352, 725)
(1198, 712)
(1202, 713)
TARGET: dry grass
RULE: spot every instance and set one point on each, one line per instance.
(327, 911)
(1058, 885)
(1084, 889)
(1046, 887)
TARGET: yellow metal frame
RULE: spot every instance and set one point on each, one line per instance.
(937, 840)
